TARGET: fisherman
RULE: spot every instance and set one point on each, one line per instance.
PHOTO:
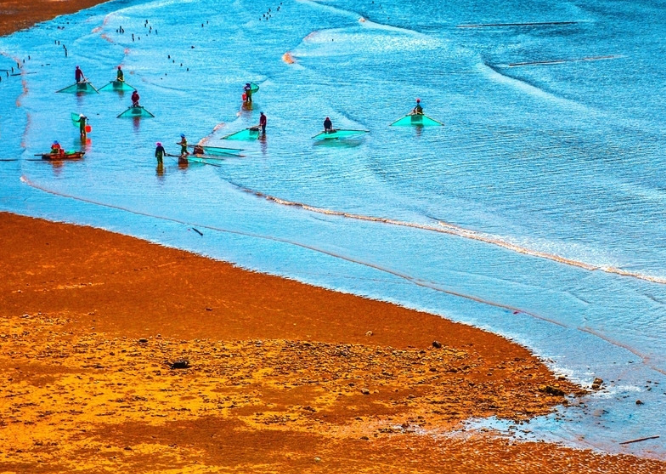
(135, 99)
(198, 150)
(183, 145)
(82, 125)
(328, 126)
(159, 153)
(418, 110)
(78, 74)
(56, 149)
(120, 77)
(262, 123)
(248, 92)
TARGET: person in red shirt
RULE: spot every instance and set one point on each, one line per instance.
(135, 99)
(78, 74)
(262, 122)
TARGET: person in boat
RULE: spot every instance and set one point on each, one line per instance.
(82, 124)
(78, 75)
(120, 77)
(328, 126)
(56, 149)
(183, 145)
(198, 150)
(135, 99)
(262, 122)
(159, 153)
(248, 92)
(417, 110)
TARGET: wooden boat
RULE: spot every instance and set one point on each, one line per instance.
(68, 155)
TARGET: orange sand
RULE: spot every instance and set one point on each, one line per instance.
(283, 377)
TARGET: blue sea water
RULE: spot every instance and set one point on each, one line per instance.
(536, 212)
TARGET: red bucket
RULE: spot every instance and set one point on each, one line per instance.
(88, 129)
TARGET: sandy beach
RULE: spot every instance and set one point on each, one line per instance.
(120, 355)
(276, 376)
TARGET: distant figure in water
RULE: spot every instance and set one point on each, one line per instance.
(159, 153)
(120, 77)
(78, 75)
(328, 126)
(418, 110)
(262, 122)
(183, 145)
(248, 92)
(82, 124)
(135, 99)
(198, 150)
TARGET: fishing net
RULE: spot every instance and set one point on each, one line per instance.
(135, 112)
(339, 134)
(218, 150)
(247, 134)
(80, 87)
(418, 120)
(117, 86)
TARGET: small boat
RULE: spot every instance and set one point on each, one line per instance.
(68, 155)
(251, 133)
(338, 134)
(217, 150)
(416, 120)
(136, 112)
(80, 88)
(117, 86)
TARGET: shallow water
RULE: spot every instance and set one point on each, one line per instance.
(536, 212)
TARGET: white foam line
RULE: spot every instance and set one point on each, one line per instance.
(446, 228)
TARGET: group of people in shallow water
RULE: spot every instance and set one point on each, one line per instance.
(160, 152)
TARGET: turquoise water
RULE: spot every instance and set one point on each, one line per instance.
(536, 212)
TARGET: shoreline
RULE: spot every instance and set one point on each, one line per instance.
(281, 375)
(277, 371)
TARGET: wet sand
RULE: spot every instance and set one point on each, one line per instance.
(278, 376)
(20, 14)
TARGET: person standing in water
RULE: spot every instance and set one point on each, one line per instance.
(262, 123)
(159, 153)
(183, 145)
(120, 77)
(78, 75)
(135, 99)
(417, 110)
(328, 125)
(82, 125)
(248, 92)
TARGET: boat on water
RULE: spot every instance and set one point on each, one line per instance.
(117, 86)
(416, 120)
(251, 133)
(216, 150)
(68, 155)
(339, 134)
(79, 88)
(136, 112)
